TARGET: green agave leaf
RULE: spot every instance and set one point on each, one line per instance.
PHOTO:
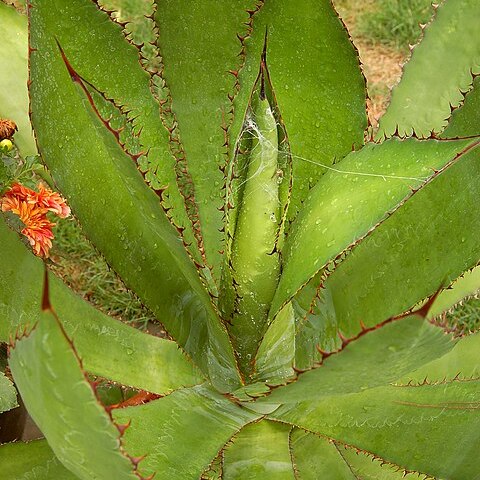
(260, 450)
(32, 460)
(316, 323)
(14, 76)
(249, 391)
(421, 101)
(426, 427)
(316, 458)
(293, 339)
(460, 364)
(107, 347)
(181, 433)
(350, 201)
(433, 430)
(91, 40)
(466, 285)
(255, 259)
(276, 354)
(199, 45)
(131, 14)
(101, 181)
(426, 244)
(215, 470)
(95, 64)
(318, 84)
(8, 394)
(465, 120)
(377, 358)
(49, 377)
(367, 467)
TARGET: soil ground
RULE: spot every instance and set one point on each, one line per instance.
(382, 65)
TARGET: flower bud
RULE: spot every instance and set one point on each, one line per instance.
(6, 145)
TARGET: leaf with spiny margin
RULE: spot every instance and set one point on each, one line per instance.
(465, 120)
(14, 76)
(33, 461)
(463, 287)
(426, 244)
(318, 85)
(181, 433)
(368, 468)
(134, 358)
(377, 358)
(8, 394)
(50, 379)
(259, 450)
(433, 430)
(215, 470)
(199, 45)
(347, 203)
(354, 398)
(132, 14)
(421, 101)
(316, 323)
(460, 364)
(101, 181)
(98, 51)
(90, 40)
(299, 337)
(316, 458)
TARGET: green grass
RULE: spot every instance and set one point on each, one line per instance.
(395, 22)
(87, 273)
(465, 316)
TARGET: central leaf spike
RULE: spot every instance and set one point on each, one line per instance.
(260, 189)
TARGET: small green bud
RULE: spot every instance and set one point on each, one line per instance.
(6, 145)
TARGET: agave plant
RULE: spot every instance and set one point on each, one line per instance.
(218, 155)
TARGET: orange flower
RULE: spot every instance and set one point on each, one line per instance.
(19, 191)
(32, 208)
(40, 237)
(53, 202)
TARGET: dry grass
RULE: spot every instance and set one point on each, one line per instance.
(381, 63)
(86, 272)
(383, 69)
